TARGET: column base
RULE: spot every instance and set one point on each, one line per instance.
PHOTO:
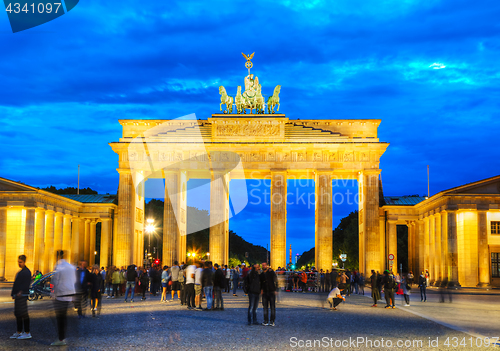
(484, 285)
(452, 284)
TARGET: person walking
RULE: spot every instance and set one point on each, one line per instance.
(422, 284)
(131, 276)
(328, 278)
(406, 289)
(236, 278)
(375, 291)
(389, 285)
(109, 281)
(361, 283)
(20, 292)
(253, 289)
(182, 283)
(95, 291)
(64, 281)
(269, 290)
(219, 285)
(208, 284)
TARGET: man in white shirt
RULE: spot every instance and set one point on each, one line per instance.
(334, 298)
(197, 286)
(64, 280)
(175, 280)
(190, 275)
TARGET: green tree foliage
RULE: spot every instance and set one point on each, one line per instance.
(198, 240)
(69, 191)
(346, 240)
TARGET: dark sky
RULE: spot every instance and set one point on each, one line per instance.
(429, 70)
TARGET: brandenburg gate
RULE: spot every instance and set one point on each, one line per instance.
(254, 145)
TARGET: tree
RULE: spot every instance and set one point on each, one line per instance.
(346, 240)
(69, 190)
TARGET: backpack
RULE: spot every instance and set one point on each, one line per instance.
(392, 282)
(181, 276)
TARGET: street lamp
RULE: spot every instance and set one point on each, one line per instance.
(343, 257)
(150, 228)
(208, 256)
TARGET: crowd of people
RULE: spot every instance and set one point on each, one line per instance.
(197, 282)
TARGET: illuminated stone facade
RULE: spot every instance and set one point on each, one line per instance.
(455, 234)
(37, 223)
(266, 147)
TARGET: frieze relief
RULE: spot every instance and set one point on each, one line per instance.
(247, 130)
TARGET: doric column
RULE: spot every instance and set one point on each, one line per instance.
(411, 246)
(393, 243)
(219, 216)
(467, 238)
(81, 242)
(58, 230)
(278, 219)
(66, 243)
(426, 244)
(444, 246)
(39, 239)
(432, 249)
(437, 260)
(29, 237)
(126, 220)
(49, 262)
(170, 226)
(105, 241)
(369, 212)
(86, 247)
(483, 252)
(75, 240)
(452, 248)
(3, 240)
(93, 224)
(421, 246)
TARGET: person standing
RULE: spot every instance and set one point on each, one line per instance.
(103, 280)
(143, 283)
(227, 276)
(374, 285)
(361, 283)
(219, 285)
(131, 276)
(116, 282)
(389, 285)
(20, 291)
(189, 287)
(182, 283)
(109, 281)
(208, 284)
(95, 291)
(328, 278)
(82, 288)
(64, 281)
(174, 276)
(253, 289)
(269, 290)
(335, 298)
(422, 284)
(165, 277)
(197, 285)
(236, 278)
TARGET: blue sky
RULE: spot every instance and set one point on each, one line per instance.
(65, 84)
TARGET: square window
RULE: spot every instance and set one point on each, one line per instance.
(495, 227)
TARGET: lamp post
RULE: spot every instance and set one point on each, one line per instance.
(150, 228)
(343, 257)
(208, 256)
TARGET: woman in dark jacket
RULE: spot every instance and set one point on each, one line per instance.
(95, 292)
(143, 283)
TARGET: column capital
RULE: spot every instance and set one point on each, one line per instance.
(278, 170)
(57, 213)
(124, 171)
(105, 219)
(370, 171)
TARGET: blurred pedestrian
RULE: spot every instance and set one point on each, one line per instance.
(165, 277)
(389, 286)
(422, 284)
(143, 283)
(20, 292)
(208, 284)
(227, 277)
(95, 291)
(131, 276)
(189, 287)
(116, 282)
(335, 298)
(406, 289)
(64, 281)
(174, 277)
(82, 288)
(375, 290)
(236, 278)
(361, 283)
(219, 286)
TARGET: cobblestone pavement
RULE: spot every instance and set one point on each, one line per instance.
(301, 319)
